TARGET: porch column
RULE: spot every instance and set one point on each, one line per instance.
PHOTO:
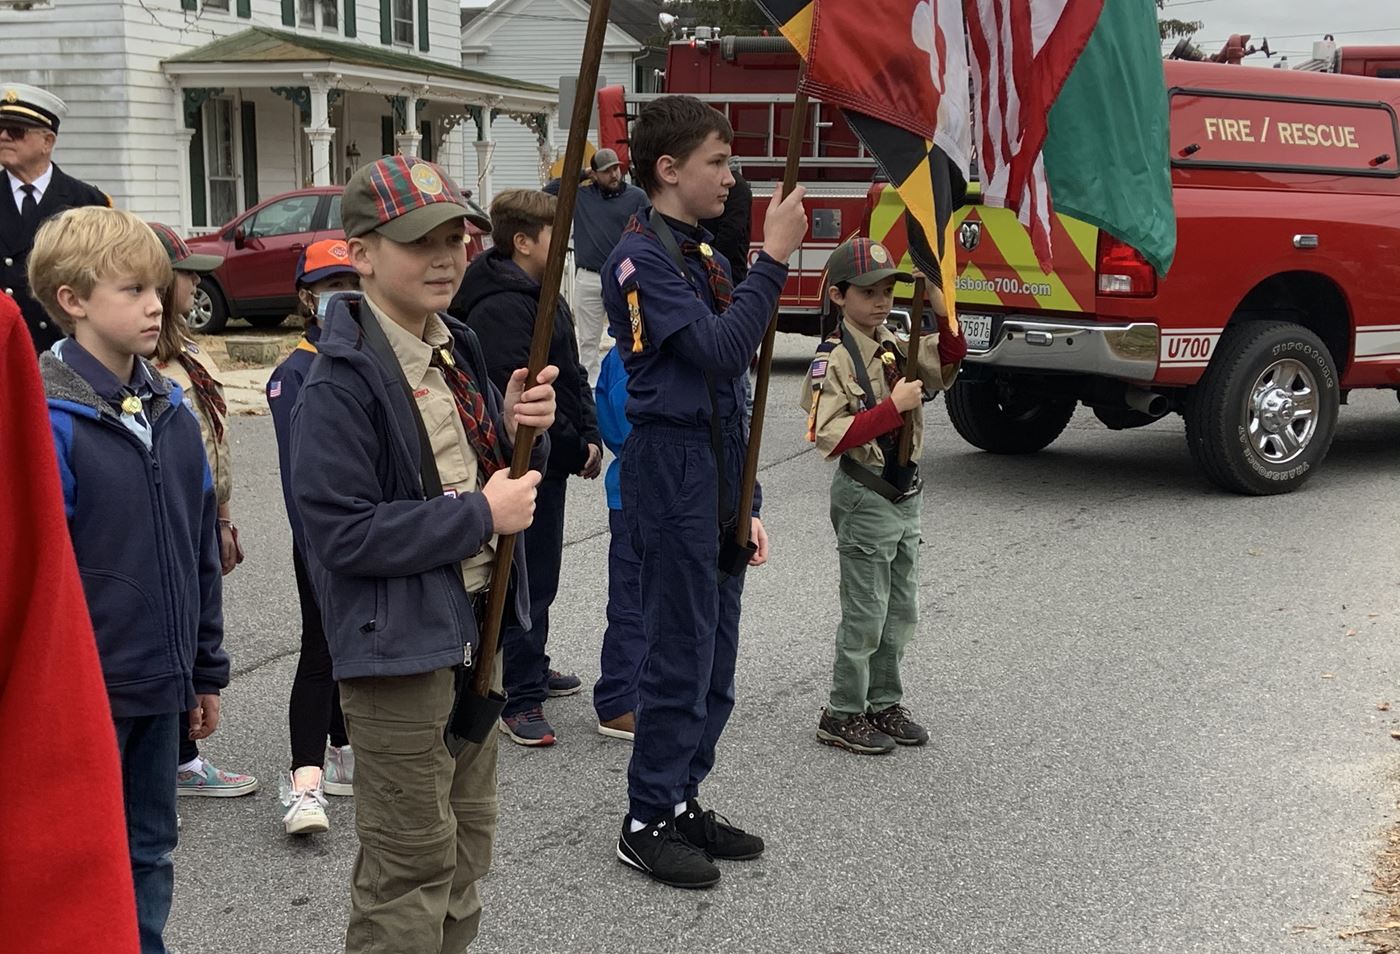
(409, 137)
(320, 133)
(183, 136)
(484, 146)
(545, 140)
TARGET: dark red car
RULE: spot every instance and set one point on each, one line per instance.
(260, 247)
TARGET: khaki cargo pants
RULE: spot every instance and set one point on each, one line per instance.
(426, 821)
(878, 543)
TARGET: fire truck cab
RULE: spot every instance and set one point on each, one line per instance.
(1281, 298)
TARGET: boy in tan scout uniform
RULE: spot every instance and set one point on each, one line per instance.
(399, 540)
(855, 395)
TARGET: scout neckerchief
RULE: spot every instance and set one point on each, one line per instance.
(720, 285)
(471, 407)
(206, 391)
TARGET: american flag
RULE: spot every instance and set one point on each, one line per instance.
(625, 270)
(1021, 51)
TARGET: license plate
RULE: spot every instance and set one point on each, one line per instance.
(978, 331)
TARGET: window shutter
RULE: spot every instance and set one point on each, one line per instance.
(425, 145)
(199, 214)
(250, 155)
(245, 9)
(289, 13)
(386, 23)
(423, 25)
(188, 4)
(386, 135)
(348, 18)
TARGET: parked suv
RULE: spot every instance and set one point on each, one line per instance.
(260, 248)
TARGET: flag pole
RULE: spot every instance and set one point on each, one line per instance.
(797, 134)
(911, 368)
(544, 323)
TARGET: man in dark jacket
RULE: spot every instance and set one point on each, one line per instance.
(35, 190)
(499, 299)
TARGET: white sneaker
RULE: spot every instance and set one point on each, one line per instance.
(306, 809)
(339, 771)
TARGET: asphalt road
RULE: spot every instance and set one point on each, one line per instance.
(1153, 706)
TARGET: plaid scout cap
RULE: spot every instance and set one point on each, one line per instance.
(31, 106)
(862, 262)
(324, 259)
(403, 198)
(181, 258)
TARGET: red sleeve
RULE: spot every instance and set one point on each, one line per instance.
(869, 424)
(63, 887)
(951, 348)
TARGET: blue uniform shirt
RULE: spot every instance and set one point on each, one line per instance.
(282, 390)
(684, 336)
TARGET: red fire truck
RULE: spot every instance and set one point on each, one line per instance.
(752, 80)
(1281, 299)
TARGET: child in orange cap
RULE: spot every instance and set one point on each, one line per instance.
(314, 710)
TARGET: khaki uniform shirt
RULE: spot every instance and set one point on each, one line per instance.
(454, 455)
(220, 460)
(832, 394)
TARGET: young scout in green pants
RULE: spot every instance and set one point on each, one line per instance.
(854, 395)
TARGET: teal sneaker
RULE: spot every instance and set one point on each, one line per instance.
(338, 774)
(211, 781)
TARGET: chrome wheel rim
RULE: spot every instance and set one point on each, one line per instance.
(1282, 411)
(203, 311)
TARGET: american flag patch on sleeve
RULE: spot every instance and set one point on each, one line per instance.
(274, 390)
(625, 270)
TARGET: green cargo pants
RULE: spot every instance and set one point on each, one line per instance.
(878, 542)
(426, 821)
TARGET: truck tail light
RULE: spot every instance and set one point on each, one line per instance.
(1123, 271)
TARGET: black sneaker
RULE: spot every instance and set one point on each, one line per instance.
(895, 723)
(853, 733)
(714, 835)
(661, 852)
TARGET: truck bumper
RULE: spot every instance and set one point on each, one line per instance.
(1126, 351)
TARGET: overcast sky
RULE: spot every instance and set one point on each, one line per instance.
(1290, 25)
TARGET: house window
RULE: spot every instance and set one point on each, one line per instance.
(216, 5)
(221, 159)
(403, 21)
(324, 14)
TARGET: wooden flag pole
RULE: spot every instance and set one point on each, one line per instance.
(797, 134)
(911, 368)
(544, 322)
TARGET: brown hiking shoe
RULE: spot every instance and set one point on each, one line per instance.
(853, 733)
(896, 723)
(623, 727)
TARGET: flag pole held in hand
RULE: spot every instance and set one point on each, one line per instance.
(741, 547)
(478, 724)
(911, 366)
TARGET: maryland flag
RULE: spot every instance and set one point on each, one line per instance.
(888, 67)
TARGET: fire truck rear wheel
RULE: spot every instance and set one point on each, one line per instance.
(1262, 417)
(996, 417)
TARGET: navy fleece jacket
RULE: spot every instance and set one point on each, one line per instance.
(385, 562)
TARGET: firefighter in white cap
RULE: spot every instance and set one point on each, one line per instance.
(34, 189)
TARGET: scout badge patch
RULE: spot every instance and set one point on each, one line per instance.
(625, 271)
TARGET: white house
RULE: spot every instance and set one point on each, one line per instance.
(541, 41)
(190, 111)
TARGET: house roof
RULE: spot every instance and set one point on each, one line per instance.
(637, 17)
(266, 45)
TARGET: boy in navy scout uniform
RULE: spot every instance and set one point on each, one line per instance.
(855, 395)
(687, 336)
(400, 569)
